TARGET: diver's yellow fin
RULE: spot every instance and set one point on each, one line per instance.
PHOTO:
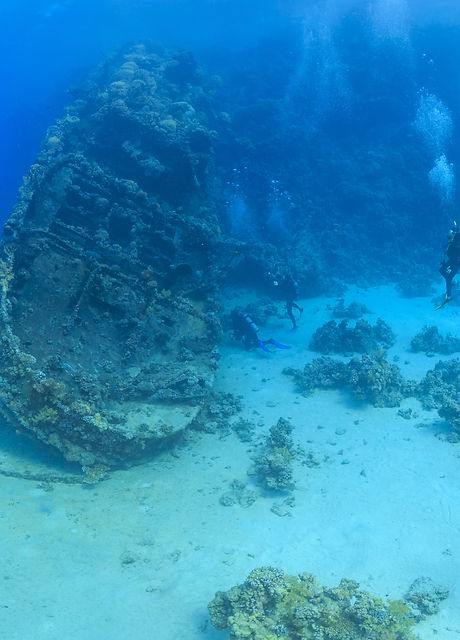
(445, 301)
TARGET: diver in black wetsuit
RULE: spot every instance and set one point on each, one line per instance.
(451, 263)
(288, 290)
(245, 329)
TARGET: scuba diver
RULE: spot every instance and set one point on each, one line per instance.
(451, 262)
(287, 288)
(245, 329)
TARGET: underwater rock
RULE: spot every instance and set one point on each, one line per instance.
(215, 413)
(424, 597)
(238, 494)
(378, 382)
(244, 429)
(371, 379)
(450, 411)
(353, 311)
(430, 340)
(335, 337)
(273, 466)
(440, 389)
(272, 605)
(283, 509)
(407, 414)
(108, 337)
(440, 384)
(320, 373)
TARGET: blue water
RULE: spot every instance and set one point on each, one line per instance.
(313, 83)
(344, 155)
(48, 47)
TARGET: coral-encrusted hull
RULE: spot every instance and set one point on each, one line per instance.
(107, 346)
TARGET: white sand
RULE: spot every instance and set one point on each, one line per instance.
(382, 508)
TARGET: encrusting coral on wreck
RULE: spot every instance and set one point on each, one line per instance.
(272, 605)
(109, 332)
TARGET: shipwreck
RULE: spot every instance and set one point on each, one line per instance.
(108, 326)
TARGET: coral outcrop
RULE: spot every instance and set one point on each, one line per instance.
(335, 337)
(370, 378)
(271, 605)
(216, 411)
(440, 389)
(109, 335)
(273, 465)
(425, 596)
(353, 311)
(430, 340)
(373, 379)
(440, 383)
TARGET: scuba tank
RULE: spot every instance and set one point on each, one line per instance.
(453, 248)
(250, 322)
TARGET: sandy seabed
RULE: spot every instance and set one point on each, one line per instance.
(140, 555)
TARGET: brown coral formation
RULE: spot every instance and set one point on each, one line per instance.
(108, 332)
(272, 605)
(370, 379)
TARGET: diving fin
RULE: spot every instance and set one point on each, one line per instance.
(279, 345)
(445, 301)
(262, 346)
